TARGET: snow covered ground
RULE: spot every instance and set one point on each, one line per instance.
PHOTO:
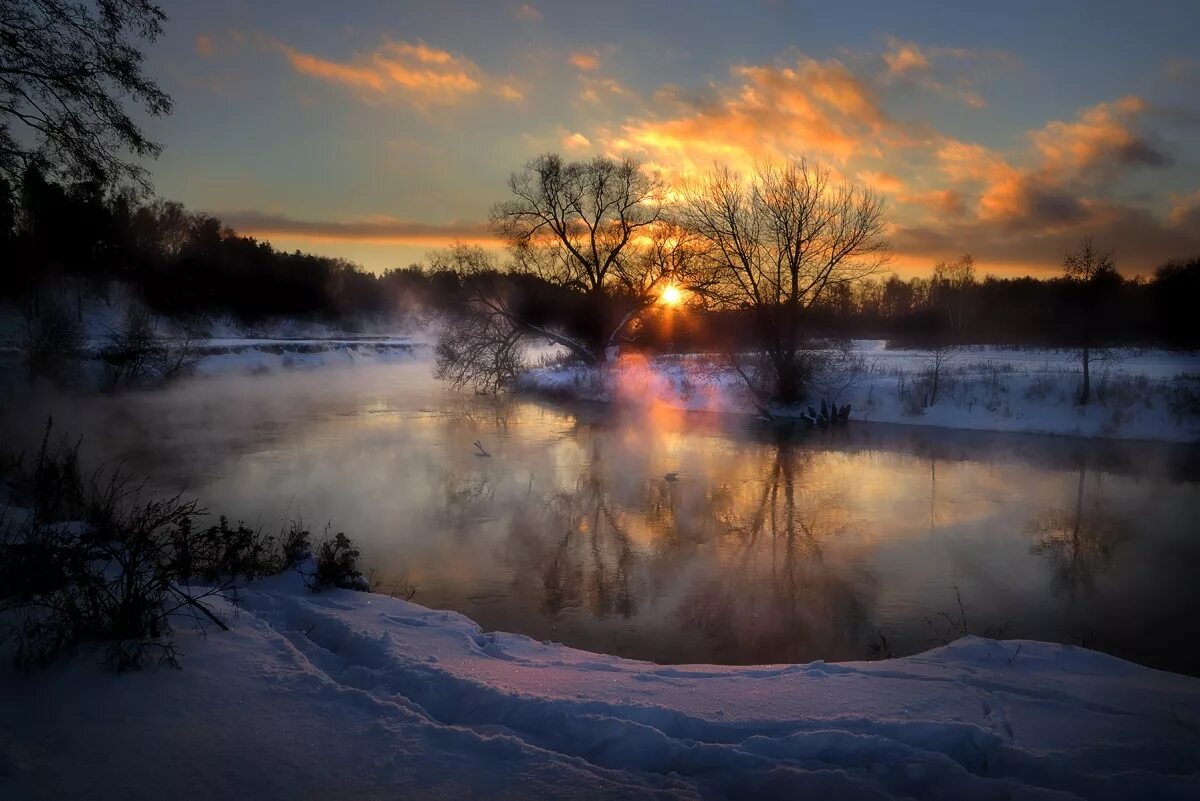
(224, 346)
(256, 356)
(354, 695)
(1137, 394)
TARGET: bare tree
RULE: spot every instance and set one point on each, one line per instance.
(591, 249)
(1092, 272)
(951, 290)
(774, 244)
(65, 69)
(595, 227)
(937, 357)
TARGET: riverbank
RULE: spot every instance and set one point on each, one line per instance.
(346, 694)
(1136, 394)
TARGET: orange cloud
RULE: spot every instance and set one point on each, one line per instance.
(1143, 241)
(905, 57)
(1185, 208)
(882, 181)
(964, 161)
(598, 90)
(949, 71)
(576, 141)
(1069, 162)
(204, 45)
(375, 231)
(1103, 136)
(941, 202)
(526, 11)
(585, 61)
(1004, 194)
(418, 73)
(810, 107)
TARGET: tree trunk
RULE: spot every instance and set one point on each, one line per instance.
(1087, 379)
(788, 390)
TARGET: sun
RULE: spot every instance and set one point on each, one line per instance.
(671, 296)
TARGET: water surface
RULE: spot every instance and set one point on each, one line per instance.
(690, 538)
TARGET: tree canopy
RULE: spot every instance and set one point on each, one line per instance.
(69, 69)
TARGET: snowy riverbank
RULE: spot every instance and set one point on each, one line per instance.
(1137, 394)
(223, 346)
(354, 695)
(225, 357)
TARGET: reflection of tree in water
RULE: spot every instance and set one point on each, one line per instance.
(589, 565)
(491, 412)
(774, 597)
(1080, 541)
(743, 562)
(574, 546)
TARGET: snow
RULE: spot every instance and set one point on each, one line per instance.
(1137, 394)
(232, 348)
(257, 356)
(345, 694)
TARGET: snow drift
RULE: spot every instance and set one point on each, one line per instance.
(354, 695)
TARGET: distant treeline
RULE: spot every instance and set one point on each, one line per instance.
(1162, 310)
(182, 262)
(186, 263)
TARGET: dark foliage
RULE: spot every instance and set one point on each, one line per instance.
(66, 70)
(185, 263)
(50, 343)
(95, 564)
(337, 566)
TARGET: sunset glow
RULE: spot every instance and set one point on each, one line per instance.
(986, 131)
(769, 400)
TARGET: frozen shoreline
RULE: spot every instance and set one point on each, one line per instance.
(1149, 394)
(348, 694)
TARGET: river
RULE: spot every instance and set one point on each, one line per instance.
(679, 538)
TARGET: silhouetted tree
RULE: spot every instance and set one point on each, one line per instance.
(951, 290)
(481, 344)
(1176, 290)
(1092, 274)
(586, 226)
(776, 243)
(66, 70)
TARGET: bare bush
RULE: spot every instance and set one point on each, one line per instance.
(51, 343)
(840, 369)
(933, 369)
(134, 354)
(115, 583)
(1183, 400)
(1040, 388)
(337, 566)
(95, 564)
(130, 350)
(482, 350)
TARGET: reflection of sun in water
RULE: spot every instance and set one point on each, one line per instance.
(671, 296)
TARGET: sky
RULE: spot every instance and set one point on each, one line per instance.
(378, 131)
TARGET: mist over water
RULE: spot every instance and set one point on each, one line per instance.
(670, 537)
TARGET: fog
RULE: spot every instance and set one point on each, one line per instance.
(671, 536)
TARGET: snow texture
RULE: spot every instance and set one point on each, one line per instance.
(354, 695)
(1136, 394)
